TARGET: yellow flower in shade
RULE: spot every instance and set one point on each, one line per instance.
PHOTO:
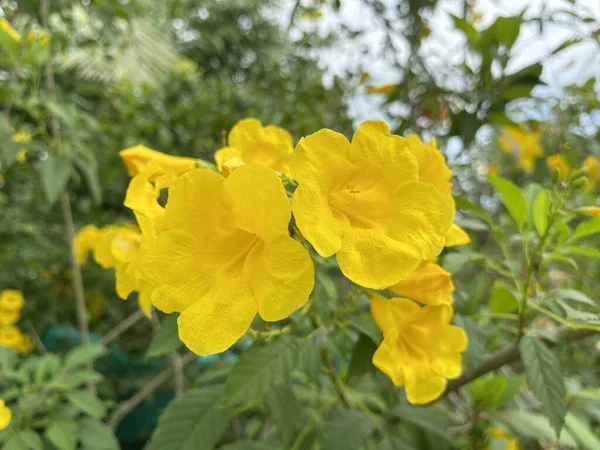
(137, 157)
(383, 89)
(116, 246)
(225, 255)
(44, 39)
(9, 317)
(592, 211)
(6, 27)
(433, 169)
(363, 202)
(592, 164)
(25, 344)
(21, 155)
(85, 241)
(560, 163)
(508, 442)
(430, 284)
(527, 146)
(10, 336)
(5, 415)
(11, 300)
(250, 142)
(420, 349)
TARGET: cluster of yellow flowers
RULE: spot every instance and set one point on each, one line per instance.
(11, 303)
(220, 251)
(21, 137)
(33, 36)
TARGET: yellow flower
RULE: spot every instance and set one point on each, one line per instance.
(527, 145)
(225, 255)
(137, 157)
(592, 164)
(8, 29)
(592, 211)
(25, 344)
(10, 336)
(44, 39)
(433, 169)
(383, 89)
(21, 137)
(250, 142)
(85, 241)
(560, 163)
(11, 300)
(420, 348)
(5, 415)
(510, 443)
(363, 202)
(31, 36)
(9, 317)
(116, 246)
(21, 155)
(430, 284)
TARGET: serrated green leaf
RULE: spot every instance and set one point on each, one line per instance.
(166, 340)
(361, 361)
(345, 429)
(285, 411)
(423, 418)
(64, 434)
(502, 300)
(83, 354)
(585, 229)
(95, 435)
(512, 198)
(55, 173)
(582, 432)
(260, 368)
(195, 421)
(546, 379)
(541, 211)
(533, 426)
(87, 402)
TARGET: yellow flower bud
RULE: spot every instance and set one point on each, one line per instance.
(137, 157)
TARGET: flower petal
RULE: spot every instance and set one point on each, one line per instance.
(430, 284)
(386, 360)
(390, 314)
(225, 154)
(456, 236)
(423, 386)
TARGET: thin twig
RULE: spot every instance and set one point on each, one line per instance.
(178, 375)
(145, 391)
(333, 377)
(130, 321)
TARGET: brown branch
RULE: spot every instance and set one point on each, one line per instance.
(511, 354)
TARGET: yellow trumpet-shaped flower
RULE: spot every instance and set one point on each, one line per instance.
(116, 246)
(8, 29)
(250, 142)
(5, 415)
(509, 442)
(420, 348)
(592, 164)
(137, 157)
(225, 254)
(560, 163)
(10, 336)
(85, 241)
(430, 284)
(433, 169)
(363, 201)
(527, 146)
(11, 300)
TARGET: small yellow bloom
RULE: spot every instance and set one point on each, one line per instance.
(9, 317)
(560, 163)
(44, 39)
(116, 246)
(225, 255)
(11, 300)
(592, 164)
(21, 155)
(10, 336)
(363, 201)
(430, 284)
(420, 348)
(433, 169)
(6, 27)
(5, 415)
(383, 89)
(592, 211)
(31, 36)
(25, 345)
(85, 241)
(137, 157)
(21, 137)
(526, 145)
(510, 443)
(250, 142)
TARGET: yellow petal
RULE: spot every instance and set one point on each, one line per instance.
(214, 322)
(456, 236)
(386, 360)
(136, 158)
(281, 278)
(5, 416)
(85, 241)
(144, 300)
(126, 282)
(9, 317)
(390, 314)
(225, 154)
(423, 386)
(432, 165)
(430, 284)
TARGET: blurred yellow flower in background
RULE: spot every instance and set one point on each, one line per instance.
(592, 211)
(250, 142)
(559, 162)
(508, 442)
(526, 145)
(85, 240)
(11, 300)
(21, 137)
(383, 89)
(5, 415)
(592, 164)
(137, 157)
(8, 29)
(11, 303)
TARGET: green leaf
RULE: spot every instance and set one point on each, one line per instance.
(83, 354)
(16, 442)
(546, 379)
(533, 426)
(566, 44)
(166, 340)
(488, 390)
(456, 261)
(588, 252)
(311, 359)
(423, 418)
(505, 30)
(31, 439)
(63, 434)
(346, 429)
(260, 368)
(87, 402)
(8, 358)
(95, 435)
(285, 411)
(367, 326)
(503, 300)
(47, 367)
(86, 163)
(194, 421)
(250, 445)
(394, 443)
(587, 438)
(361, 361)
(462, 203)
(541, 210)
(512, 198)
(574, 295)
(328, 286)
(55, 173)
(584, 229)
(84, 377)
